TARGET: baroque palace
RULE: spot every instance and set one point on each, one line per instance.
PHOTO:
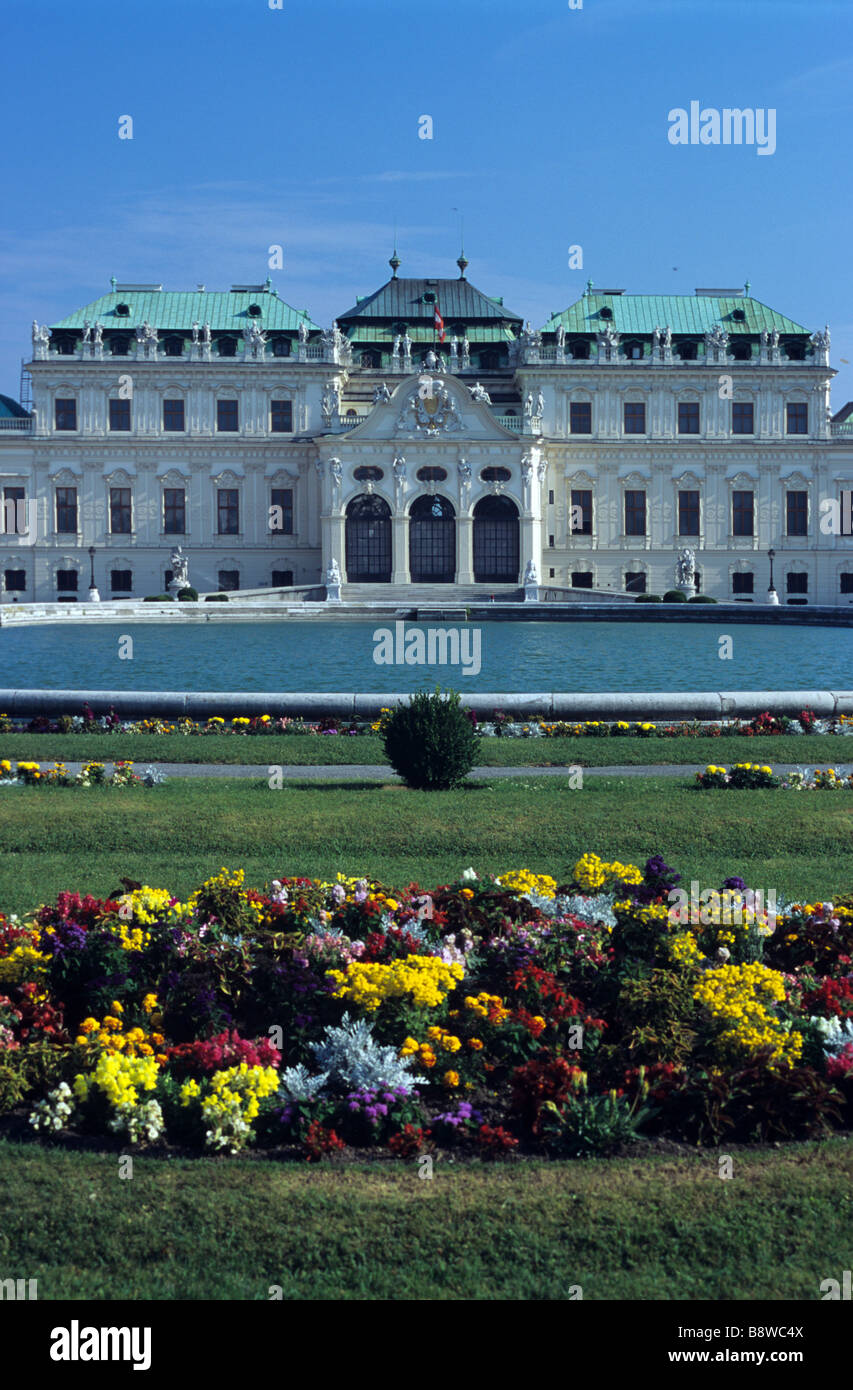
(430, 437)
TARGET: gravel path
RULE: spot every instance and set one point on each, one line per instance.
(367, 772)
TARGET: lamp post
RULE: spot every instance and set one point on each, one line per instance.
(772, 596)
(94, 596)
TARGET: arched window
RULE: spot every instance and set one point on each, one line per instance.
(494, 474)
(368, 540)
(431, 474)
(432, 541)
(496, 541)
(368, 473)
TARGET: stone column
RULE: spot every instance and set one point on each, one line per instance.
(400, 549)
(464, 549)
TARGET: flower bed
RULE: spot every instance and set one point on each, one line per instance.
(750, 776)
(495, 1016)
(91, 774)
(500, 725)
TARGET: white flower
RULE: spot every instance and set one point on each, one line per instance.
(469, 876)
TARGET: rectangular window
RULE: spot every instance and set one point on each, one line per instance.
(846, 513)
(797, 583)
(688, 513)
(743, 583)
(120, 511)
(281, 417)
(797, 513)
(282, 579)
(14, 519)
(66, 581)
(635, 513)
(16, 581)
(174, 511)
(797, 417)
(65, 413)
(581, 580)
(550, 542)
(173, 415)
(742, 417)
(846, 583)
(121, 581)
(228, 580)
(635, 417)
(66, 510)
(550, 497)
(581, 519)
(281, 510)
(742, 513)
(119, 414)
(688, 417)
(226, 416)
(635, 583)
(580, 417)
(228, 511)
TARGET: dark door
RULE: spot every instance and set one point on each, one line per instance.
(368, 539)
(432, 541)
(496, 547)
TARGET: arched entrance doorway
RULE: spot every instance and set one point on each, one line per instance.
(432, 541)
(496, 541)
(368, 540)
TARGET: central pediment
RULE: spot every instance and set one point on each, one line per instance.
(431, 405)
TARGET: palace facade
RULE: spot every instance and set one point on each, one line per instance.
(585, 454)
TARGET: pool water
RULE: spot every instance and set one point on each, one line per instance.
(502, 657)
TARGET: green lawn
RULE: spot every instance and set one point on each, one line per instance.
(651, 1228)
(824, 750)
(177, 834)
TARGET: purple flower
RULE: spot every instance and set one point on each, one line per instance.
(737, 883)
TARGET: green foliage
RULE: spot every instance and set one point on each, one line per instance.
(188, 595)
(588, 1125)
(648, 598)
(431, 742)
(216, 598)
(657, 1016)
(702, 598)
(159, 598)
(674, 596)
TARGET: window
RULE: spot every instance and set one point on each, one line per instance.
(228, 580)
(281, 347)
(635, 582)
(65, 344)
(15, 581)
(227, 347)
(743, 583)
(697, 581)
(550, 497)
(633, 351)
(687, 350)
(688, 513)
(174, 347)
(798, 512)
(119, 414)
(14, 519)
(635, 513)
(688, 417)
(742, 417)
(635, 417)
(550, 542)
(66, 509)
(794, 351)
(65, 413)
(494, 474)
(228, 507)
(797, 583)
(581, 580)
(742, 513)
(846, 582)
(282, 579)
(367, 473)
(174, 511)
(797, 417)
(579, 352)
(581, 517)
(121, 581)
(431, 474)
(119, 346)
(580, 417)
(740, 350)
(281, 511)
(173, 415)
(281, 417)
(226, 415)
(66, 581)
(120, 511)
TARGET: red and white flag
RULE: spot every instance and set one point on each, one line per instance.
(439, 325)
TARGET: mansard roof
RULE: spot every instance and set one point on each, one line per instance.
(178, 310)
(684, 313)
(402, 300)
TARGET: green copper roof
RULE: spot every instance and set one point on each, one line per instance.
(683, 313)
(402, 301)
(425, 333)
(173, 310)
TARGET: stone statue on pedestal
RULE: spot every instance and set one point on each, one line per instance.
(685, 569)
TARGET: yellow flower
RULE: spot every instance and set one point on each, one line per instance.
(451, 1078)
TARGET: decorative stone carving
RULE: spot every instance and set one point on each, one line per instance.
(381, 394)
(432, 413)
(303, 331)
(180, 571)
(479, 393)
(685, 569)
(608, 345)
(466, 353)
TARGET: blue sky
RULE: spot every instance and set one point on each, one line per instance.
(299, 127)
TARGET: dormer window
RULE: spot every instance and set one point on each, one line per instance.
(123, 310)
(605, 313)
(739, 315)
(254, 310)
(428, 297)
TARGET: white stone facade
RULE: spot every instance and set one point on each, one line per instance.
(128, 483)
